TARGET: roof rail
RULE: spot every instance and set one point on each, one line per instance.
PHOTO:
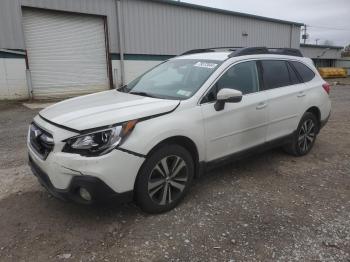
(265, 50)
(286, 51)
(210, 49)
(196, 51)
(249, 51)
(240, 51)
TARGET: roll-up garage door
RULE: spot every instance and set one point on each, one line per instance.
(66, 53)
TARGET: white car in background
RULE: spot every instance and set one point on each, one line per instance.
(148, 140)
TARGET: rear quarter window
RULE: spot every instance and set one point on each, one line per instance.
(304, 72)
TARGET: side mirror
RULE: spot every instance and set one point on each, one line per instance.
(227, 95)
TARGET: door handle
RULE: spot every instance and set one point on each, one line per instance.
(301, 94)
(261, 105)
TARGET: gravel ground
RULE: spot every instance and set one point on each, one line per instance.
(269, 207)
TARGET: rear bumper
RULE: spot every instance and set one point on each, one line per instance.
(98, 190)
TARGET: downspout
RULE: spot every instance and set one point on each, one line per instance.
(28, 77)
(120, 29)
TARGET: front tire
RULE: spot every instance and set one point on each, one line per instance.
(304, 137)
(164, 179)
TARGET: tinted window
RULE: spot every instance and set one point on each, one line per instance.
(305, 73)
(275, 74)
(242, 77)
(294, 79)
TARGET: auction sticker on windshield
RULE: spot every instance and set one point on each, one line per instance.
(205, 65)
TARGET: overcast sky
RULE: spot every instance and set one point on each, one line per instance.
(328, 19)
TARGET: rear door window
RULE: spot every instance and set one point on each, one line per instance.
(305, 73)
(275, 74)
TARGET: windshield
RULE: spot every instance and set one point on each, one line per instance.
(174, 79)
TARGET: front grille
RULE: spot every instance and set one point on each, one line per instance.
(40, 140)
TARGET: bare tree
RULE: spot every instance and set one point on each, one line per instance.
(328, 42)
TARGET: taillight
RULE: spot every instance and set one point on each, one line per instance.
(326, 87)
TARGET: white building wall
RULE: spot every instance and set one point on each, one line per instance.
(13, 84)
(321, 52)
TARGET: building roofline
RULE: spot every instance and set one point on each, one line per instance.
(227, 12)
(13, 51)
(321, 46)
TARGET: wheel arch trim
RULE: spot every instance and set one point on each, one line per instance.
(317, 112)
(183, 141)
(180, 140)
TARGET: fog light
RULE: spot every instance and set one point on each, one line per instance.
(85, 194)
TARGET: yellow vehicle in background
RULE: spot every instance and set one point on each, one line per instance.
(332, 72)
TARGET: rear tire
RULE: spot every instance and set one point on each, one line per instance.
(164, 179)
(304, 137)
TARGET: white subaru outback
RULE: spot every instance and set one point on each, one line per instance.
(149, 139)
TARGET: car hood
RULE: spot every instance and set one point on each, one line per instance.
(105, 108)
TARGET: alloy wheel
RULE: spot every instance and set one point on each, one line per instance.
(167, 180)
(307, 135)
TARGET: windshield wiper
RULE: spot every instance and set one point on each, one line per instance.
(141, 94)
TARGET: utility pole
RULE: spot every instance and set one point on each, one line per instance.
(317, 39)
(305, 33)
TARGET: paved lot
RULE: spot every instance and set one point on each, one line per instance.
(270, 207)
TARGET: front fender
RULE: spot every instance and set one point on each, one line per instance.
(148, 134)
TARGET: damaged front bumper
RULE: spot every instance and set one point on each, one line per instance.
(98, 190)
(70, 176)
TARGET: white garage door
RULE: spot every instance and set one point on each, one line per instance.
(66, 53)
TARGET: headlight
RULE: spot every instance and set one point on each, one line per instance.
(99, 142)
